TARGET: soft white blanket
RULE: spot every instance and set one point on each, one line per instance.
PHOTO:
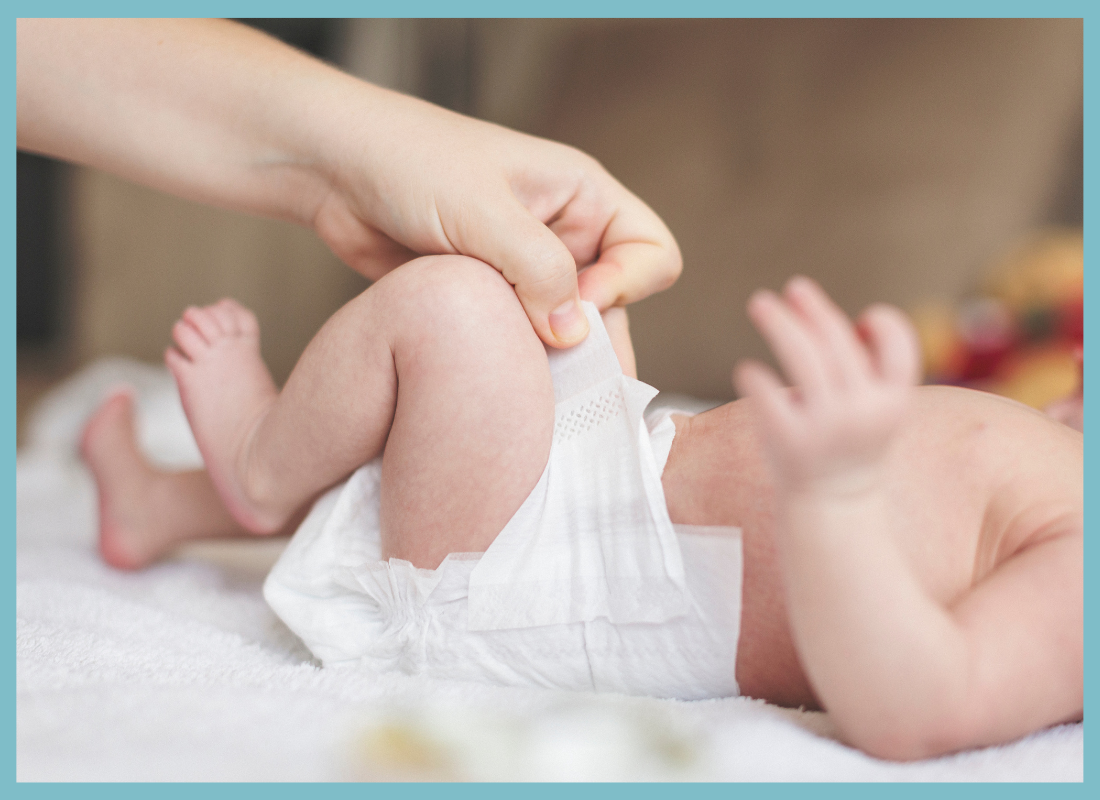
(181, 672)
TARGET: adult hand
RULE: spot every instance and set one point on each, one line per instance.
(216, 112)
(435, 181)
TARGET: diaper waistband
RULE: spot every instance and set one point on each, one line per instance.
(593, 539)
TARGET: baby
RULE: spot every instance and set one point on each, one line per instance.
(912, 556)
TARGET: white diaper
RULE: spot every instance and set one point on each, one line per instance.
(588, 587)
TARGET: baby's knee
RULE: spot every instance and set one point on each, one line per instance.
(454, 293)
(449, 273)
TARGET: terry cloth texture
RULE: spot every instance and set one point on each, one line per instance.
(181, 672)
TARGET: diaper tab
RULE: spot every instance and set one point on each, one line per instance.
(578, 368)
(593, 540)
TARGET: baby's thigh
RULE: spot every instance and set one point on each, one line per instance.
(475, 409)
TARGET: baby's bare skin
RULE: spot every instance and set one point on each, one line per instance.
(921, 550)
(913, 556)
(975, 479)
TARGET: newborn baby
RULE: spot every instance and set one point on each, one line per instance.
(908, 558)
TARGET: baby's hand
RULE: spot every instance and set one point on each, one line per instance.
(851, 389)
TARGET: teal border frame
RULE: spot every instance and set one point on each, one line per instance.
(563, 8)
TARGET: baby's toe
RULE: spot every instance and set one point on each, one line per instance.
(235, 318)
(225, 310)
(188, 339)
(205, 322)
(177, 363)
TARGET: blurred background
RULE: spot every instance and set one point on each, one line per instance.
(935, 164)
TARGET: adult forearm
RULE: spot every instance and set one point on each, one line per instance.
(218, 113)
(205, 109)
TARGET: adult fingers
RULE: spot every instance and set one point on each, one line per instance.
(893, 343)
(534, 260)
(637, 256)
(362, 247)
(630, 272)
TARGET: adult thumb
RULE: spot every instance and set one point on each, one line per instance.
(534, 260)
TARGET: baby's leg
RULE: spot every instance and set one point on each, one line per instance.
(436, 363)
(145, 512)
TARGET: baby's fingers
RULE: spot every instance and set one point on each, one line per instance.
(893, 343)
(847, 361)
(760, 383)
(792, 341)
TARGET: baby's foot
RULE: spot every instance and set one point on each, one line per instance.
(226, 391)
(129, 534)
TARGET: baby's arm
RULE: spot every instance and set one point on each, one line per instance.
(902, 676)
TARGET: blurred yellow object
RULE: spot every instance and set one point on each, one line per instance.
(1038, 376)
(939, 337)
(401, 750)
(577, 739)
(1045, 271)
(1017, 336)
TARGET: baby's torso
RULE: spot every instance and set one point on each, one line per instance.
(973, 478)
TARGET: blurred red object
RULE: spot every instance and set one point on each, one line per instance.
(987, 334)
